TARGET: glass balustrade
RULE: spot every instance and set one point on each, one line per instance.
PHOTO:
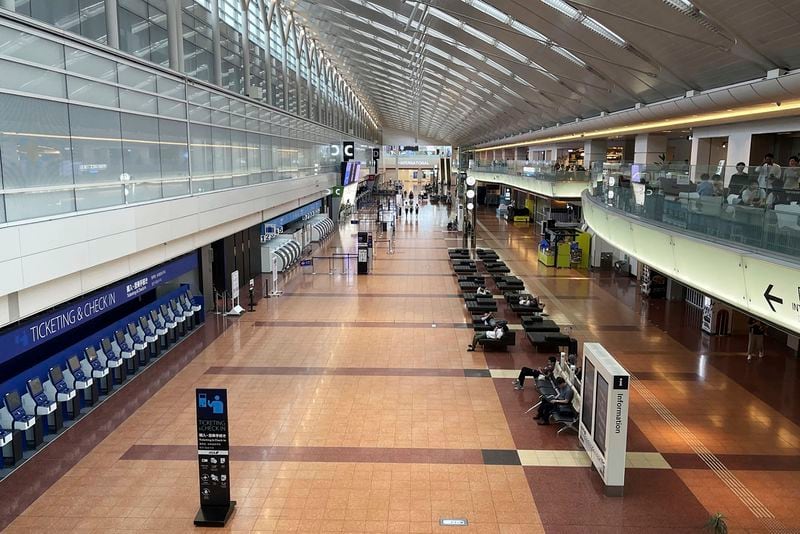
(547, 171)
(754, 206)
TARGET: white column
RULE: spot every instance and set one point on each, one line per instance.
(738, 148)
(648, 148)
(594, 150)
(112, 22)
(175, 35)
(216, 44)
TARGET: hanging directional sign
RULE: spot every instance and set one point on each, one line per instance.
(772, 298)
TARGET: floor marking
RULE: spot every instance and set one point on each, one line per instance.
(756, 507)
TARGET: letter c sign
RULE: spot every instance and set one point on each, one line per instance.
(348, 150)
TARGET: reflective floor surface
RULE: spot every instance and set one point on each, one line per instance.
(356, 408)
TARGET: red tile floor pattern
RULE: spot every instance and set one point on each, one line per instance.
(338, 426)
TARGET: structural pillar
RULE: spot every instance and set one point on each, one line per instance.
(216, 43)
(246, 45)
(648, 148)
(112, 22)
(594, 151)
(175, 35)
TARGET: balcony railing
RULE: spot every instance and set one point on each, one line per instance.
(743, 206)
(537, 170)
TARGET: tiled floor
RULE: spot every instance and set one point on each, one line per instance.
(356, 408)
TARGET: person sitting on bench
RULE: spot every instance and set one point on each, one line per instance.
(488, 318)
(547, 370)
(495, 334)
(548, 405)
(483, 291)
(525, 300)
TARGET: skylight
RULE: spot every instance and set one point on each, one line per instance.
(600, 29)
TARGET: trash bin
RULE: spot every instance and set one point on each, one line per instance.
(606, 261)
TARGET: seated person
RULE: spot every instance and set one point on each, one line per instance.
(753, 195)
(488, 318)
(549, 404)
(525, 300)
(483, 291)
(496, 333)
(547, 370)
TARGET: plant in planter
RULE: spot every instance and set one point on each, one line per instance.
(717, 524)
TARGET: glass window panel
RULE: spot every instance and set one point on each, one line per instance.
(168, 87)
(201, 154)
(136, 78)
(92, 92)
(221, 118)
(96, 145)
(34, 143)
(89, 198)
(239, 152)
(221, 139)
(21, 45)
(134, 101)
(199, 96)
(38, 204)
(171, 108)
(174, 158)
(141, 154)
(35, 80)
(199, 114)
(220, 102)
(237, 121)
(93, 20)
(88, 64)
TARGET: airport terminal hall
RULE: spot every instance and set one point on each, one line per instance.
(400, 266)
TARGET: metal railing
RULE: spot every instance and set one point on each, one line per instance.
(344, 259)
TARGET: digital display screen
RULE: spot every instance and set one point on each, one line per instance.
(154, 315)
(13, 401)
(91, 354)
(348, 172)
(74, 363)
(356, 173)
(119, 336)
(56, 375)
(601, 413)
(143, 322)
(106, 343)
(132, 329)
(35, 387)
(636, 174)
(587, 392)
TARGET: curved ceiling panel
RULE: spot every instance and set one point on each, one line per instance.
(471, 71)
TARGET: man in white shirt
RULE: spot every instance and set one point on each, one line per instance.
(753, 196)
(769, 167)
(497, 333)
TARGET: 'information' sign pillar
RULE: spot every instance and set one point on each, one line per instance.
(213, 458)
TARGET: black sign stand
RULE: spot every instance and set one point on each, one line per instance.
(213, 459)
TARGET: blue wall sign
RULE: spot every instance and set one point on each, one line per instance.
(269, 226)
(42, 329)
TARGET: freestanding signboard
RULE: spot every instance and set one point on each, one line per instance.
(603, 429)
(213, 458)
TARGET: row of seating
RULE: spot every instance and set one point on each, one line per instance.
(565, 415)
(84, 379)
(476, 303)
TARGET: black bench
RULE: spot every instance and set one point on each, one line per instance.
(509, 339)
(475, 296)
(465, 269)
(528, 320)
(548, 341)
(468, 286)
(509, 286)
(477, 278)
(481, 306)
(485, 252)
(498, 269)
(516, 307)
(566, 416)
(542, 326)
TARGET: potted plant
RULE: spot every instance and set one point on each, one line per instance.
(717, 524)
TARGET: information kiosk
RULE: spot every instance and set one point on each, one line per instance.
(603, 429)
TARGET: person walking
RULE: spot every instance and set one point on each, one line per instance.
(755, 338)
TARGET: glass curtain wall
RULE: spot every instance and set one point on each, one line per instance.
(291, 67)
(230, 31)
(313, 89)
(143, 30)
(84, 17)
(198, 48)
(276, 52)
(258, 54)
(302, 89)
(82, 130)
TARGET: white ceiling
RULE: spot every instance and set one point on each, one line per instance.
(470, 71)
